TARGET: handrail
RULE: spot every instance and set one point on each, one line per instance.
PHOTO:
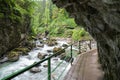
(59, 65)
(33, 65)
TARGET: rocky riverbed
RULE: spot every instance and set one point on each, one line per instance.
(42, 50)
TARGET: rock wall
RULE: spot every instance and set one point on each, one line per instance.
(101, 18)
(14, 26)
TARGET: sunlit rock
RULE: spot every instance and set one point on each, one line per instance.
(35, 70)
(41, 56)
(58, 50)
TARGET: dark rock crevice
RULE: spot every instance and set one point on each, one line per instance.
(101, 19)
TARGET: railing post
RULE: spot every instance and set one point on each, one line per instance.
(90, 44)
(79, 47)
(49, 69)
(71, 55)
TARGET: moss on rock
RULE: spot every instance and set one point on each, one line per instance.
(13, 56)
(23, 51)
(51, 42)
(58, 50)
(14, 23)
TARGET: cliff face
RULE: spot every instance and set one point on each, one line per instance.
(101, 18)
(14, 25)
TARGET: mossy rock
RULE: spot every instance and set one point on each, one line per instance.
(65, 57)
(64, 45)
(51, 42)
(52, 39)
(45, 65)
(13, 56)
(29, 44)
(40, 45)
(1, 15)
(69, 33)
(49, 51)
(32, 38)
(58, 51)
(41, 56)
(24, 51)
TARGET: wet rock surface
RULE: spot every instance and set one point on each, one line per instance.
(41, 56)
(51, 42)
(5, 59)
(49, 51)
(35, 70)
(22, 50)
(45, 65)
(13, 56)
(64, 45)
(58, 50)
(14, 27)
(101, 19)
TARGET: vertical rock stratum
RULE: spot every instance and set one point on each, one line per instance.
(14, 24)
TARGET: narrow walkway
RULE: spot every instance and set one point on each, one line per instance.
(85, 67)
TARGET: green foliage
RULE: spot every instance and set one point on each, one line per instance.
(79, 34)
(15, 10)
(76, 34)
(48, 16)
(82, 32)
(1, 15)
(55, 20)
(43, 16)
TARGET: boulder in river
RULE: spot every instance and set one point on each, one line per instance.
(45, 65)
(29, 44)
(41, 56)
(65, 45)
(40, 45)
(55, 59)
(49, 51)
(51, 42)
(58, 50)
(66, 58)
(35, 70)
(22, 50)
(3, 60)
(13, 56)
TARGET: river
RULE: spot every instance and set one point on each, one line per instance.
(24, 61)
